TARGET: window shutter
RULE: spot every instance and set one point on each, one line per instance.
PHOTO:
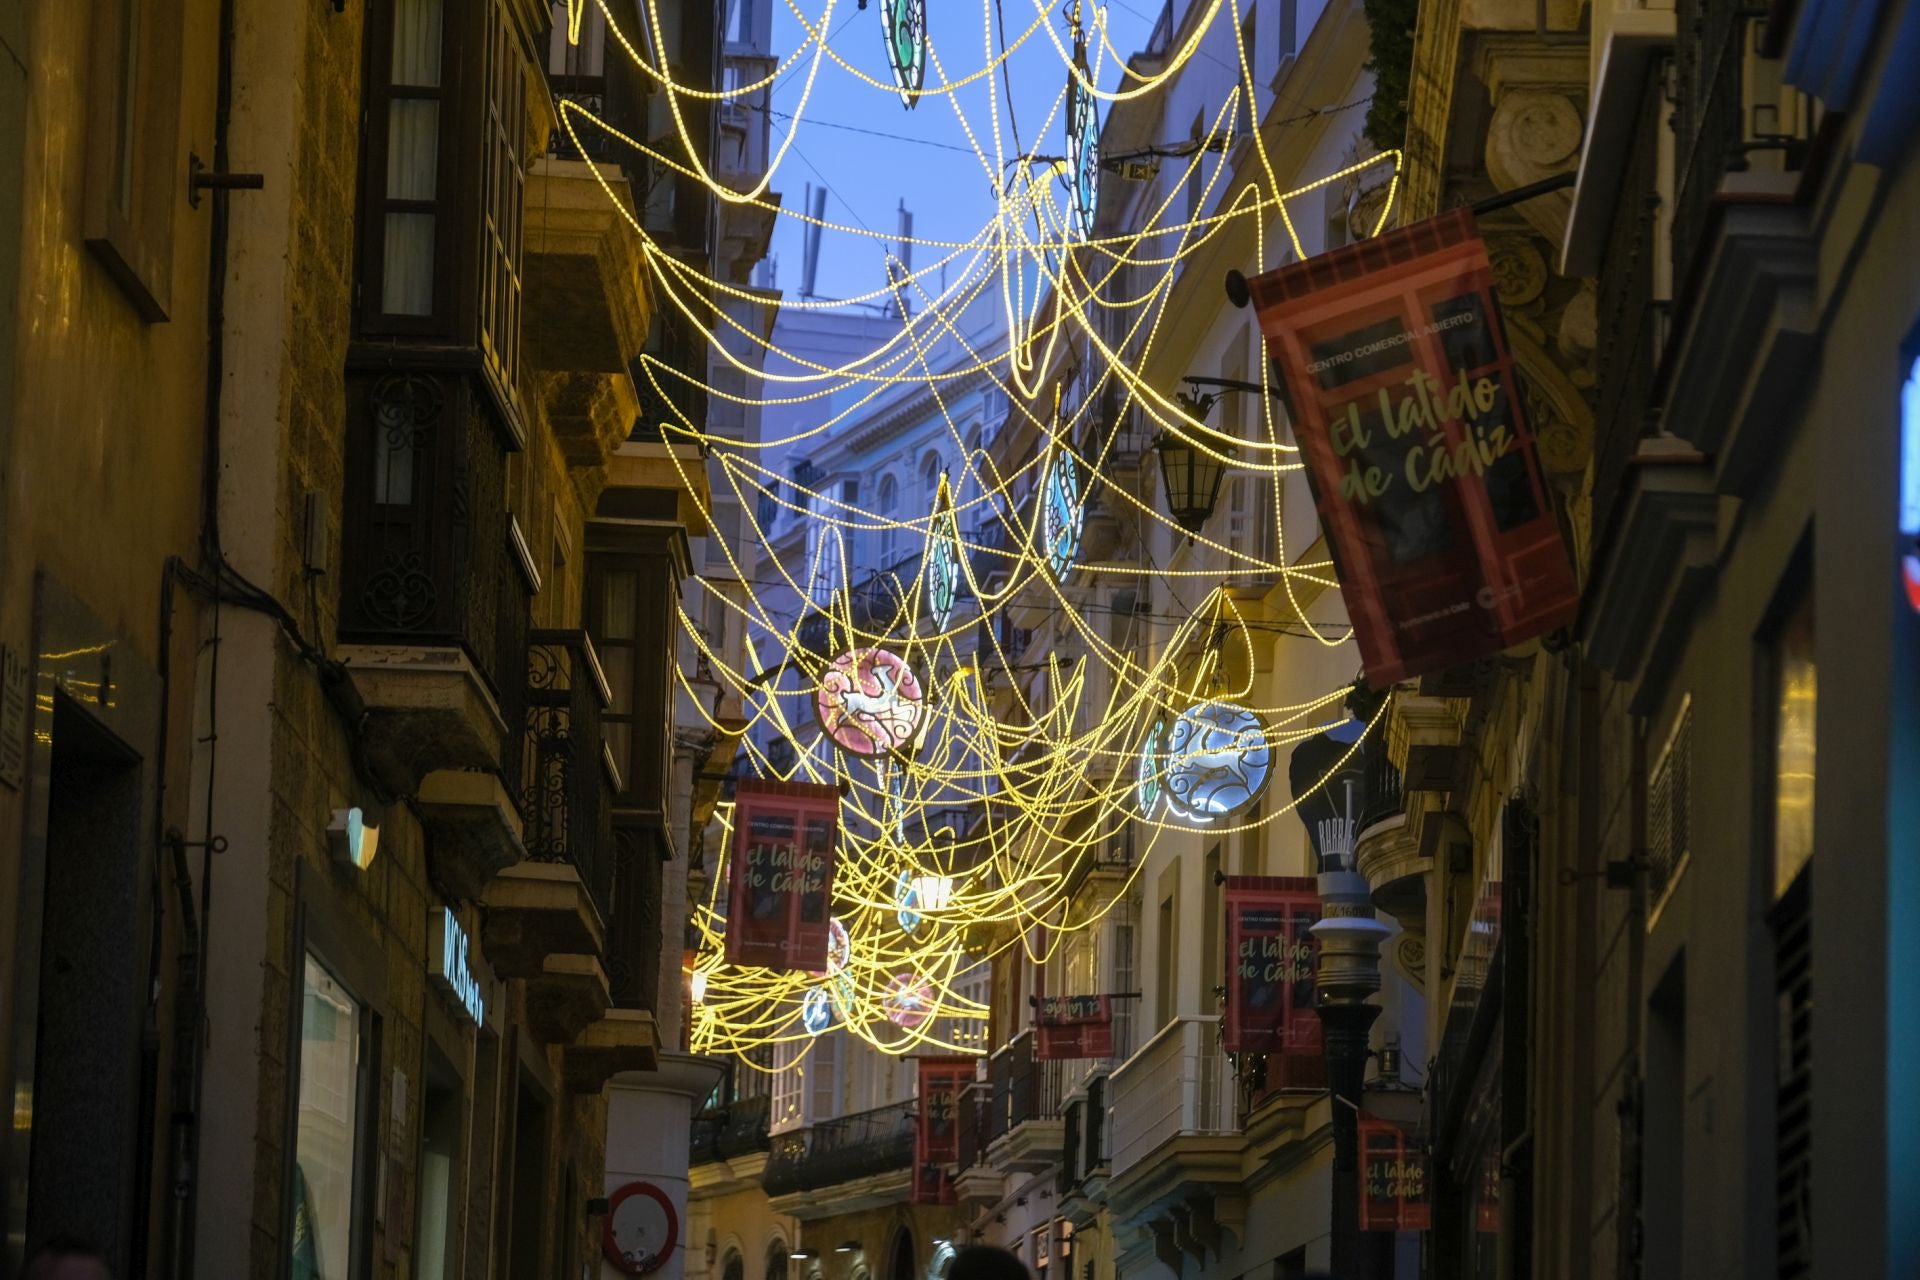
(1793, 1086)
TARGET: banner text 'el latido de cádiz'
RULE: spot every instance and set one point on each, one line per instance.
(1409, 418)
(781, 874)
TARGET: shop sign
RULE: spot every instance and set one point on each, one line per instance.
(1395, 1187)
(937, 1130)
(1272, 964)
(1410, 420)
(1073, 1027)
(781, 875)
(450, 964)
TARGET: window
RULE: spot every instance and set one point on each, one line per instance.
(1289, 29)
(1669, 810)
(326, 1237)
(1210, 945)
(887, 511)
(1165, 959)
(502, 201)
(1795, 688)
(436, 1250)
(133, 126)
(1194, 161)
(1125, 973)
(930, 479)
(408, 167)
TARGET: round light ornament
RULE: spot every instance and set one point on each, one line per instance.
(1063, 514)
(1218, 762)
(909, 1001)
(816, 1010)
(906, 901)
(1149, 770)
(870, 702)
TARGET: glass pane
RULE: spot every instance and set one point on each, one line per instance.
(416, 42)
(620, 742)
(406, 286)
(618, 665)
(393, 451)
(618, 592)
(1793, 748)
(324, 1155)
(413, 148)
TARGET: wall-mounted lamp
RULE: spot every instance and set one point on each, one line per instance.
(804, 1255)
(847, 1246)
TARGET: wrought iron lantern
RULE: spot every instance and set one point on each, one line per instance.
(1191, 476)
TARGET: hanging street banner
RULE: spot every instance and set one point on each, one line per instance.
(1409, 416)
(936, 1144)
(1072, 1027)
(781, 874)
(1272, 961)
(1395, 1190)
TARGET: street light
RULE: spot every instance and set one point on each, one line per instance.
(1328, 777)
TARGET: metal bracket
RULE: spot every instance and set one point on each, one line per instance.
(200, 178)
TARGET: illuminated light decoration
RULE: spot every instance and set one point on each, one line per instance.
(934, 893)
(1148, 769)
(1028, 768)
(353, 840)
(941, 571)
(1083, 145)
(1910, 485)
(909, 1001)
(1219, 761)
(816, 1011)
(904, 25)
(839, 946)
(697, 986)
(907, 901)
(870, 702)
(1063, 514)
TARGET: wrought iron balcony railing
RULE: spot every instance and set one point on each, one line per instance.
(1384, 798)
(842, 1149)
(566, 796)
(736, 1129)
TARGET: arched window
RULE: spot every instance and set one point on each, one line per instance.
(777, 1259)
(930, 478)
(736, 1268)
(900, 1263)
(888, 509)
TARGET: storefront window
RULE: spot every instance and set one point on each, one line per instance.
(325, 1150)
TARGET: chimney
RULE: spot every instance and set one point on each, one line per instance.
(903, 251)
(816, 205)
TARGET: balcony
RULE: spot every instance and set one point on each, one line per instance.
(1084, 1166)
(434, 584)
(739, 1128)
(1387, 847)
(1176, 1162)
(866, 1159)
(1029, 1106)
(546, 917)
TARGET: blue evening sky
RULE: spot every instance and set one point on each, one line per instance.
(867, 175)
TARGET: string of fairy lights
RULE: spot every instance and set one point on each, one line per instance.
(979, 786)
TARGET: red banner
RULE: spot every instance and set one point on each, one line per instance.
(1404, 402)
(1395, 1191)
(1073, 1027)
(781, 878)
(943, 1082)
(1272, 960)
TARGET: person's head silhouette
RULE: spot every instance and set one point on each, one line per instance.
(984, 1262)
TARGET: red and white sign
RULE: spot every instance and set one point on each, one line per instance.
(641, 1229)
(1073, 1027)
(1272, 966)
(1411, 423)
(943, 1080)
(781, 874)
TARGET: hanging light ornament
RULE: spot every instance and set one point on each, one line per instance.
(1148, 769)
(816, 1011)
(904, 25)
(941, 573)
(869, 702)
(1218, 762)
(1063, 513)
(1083, 136)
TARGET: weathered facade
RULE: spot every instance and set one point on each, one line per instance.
(1663, 1025)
